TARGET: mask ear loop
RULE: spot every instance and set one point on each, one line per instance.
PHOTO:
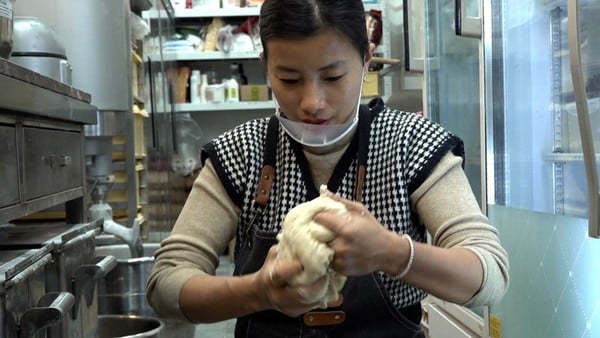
(363, 146)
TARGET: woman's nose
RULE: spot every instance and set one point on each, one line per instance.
(313, 99)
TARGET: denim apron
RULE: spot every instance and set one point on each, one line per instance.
(367, 309)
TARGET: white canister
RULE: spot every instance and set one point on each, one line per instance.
(215, 93)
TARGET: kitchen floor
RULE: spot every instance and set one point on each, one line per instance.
(221, 329)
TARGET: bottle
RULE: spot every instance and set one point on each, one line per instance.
(237, 72)
(234, 82)
(195, 87)
(233, 90)
(202, 90)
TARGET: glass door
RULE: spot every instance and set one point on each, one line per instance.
(535, 145)
(453, 92)
(452, 82)
(536, 168)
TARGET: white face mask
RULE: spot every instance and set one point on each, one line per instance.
(317, 135)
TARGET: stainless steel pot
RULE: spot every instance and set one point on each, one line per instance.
(6, 28)
(123, 290)
(128, 326)
(36, 46)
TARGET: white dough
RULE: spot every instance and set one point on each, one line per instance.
(302, 237)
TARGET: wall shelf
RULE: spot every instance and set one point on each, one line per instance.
(205, 13)
(203, 56)
(200, 12)
(233, 106)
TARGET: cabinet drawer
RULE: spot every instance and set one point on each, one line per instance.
(52, 161)
(8, 166)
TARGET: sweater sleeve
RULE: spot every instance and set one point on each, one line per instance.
(205, 226)
(447, 207)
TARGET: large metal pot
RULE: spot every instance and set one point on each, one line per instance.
(36, 46)
(123, 290)
(128, 326)
(6, 28)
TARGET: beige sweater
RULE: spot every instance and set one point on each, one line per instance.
(208, 222)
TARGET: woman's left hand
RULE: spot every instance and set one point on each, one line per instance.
(360, 239)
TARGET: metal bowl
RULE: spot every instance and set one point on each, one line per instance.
(36, 46)
(126, 326)
(31, 35)
(123, 290)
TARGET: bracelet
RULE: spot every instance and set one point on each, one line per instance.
(411, 258)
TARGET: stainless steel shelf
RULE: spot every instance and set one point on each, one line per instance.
(565, 157)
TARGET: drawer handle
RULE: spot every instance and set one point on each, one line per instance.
(58, 161)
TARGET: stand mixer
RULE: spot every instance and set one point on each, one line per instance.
(98, 152)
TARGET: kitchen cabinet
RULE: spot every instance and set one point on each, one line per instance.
(100, 55)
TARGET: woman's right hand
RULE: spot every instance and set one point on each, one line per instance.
(279, 294)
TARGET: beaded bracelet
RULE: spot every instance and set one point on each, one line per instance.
(411, 258)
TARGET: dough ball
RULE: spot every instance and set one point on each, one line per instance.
(306, 239)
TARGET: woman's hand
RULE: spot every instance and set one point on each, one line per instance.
(279, 294)
(361, 241)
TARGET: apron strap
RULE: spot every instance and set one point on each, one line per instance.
(267, 174)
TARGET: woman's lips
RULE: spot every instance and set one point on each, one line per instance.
(315, 121)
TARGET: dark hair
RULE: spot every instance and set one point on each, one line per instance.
(295, 19)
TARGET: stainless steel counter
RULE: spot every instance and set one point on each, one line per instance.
(24, 91)
(42, 134)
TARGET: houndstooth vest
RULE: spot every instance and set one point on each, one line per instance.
(401, 151)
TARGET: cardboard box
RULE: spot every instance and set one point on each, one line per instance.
(254, 92)
(371, 85)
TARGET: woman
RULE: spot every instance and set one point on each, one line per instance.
(398, 174)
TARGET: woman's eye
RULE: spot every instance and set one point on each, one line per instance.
(288, 81)
(334, 78)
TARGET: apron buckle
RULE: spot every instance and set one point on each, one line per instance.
(319, 318)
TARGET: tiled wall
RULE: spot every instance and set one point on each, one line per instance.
(555, 276)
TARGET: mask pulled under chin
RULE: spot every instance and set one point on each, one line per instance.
(316, 135)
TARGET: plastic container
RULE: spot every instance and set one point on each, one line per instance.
(195, 82)
(202, 90)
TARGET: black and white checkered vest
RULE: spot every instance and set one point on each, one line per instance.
(403, 149)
